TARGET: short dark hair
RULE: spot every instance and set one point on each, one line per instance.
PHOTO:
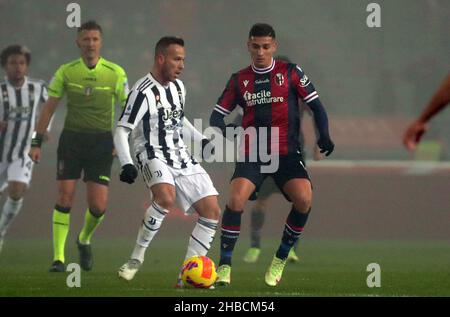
(13, 50)
(165, 42)
(89, 25)
(261, 29)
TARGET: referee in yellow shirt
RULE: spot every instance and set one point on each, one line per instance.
(93, 87)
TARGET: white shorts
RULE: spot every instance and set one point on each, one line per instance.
(191, 183)
(19, 170)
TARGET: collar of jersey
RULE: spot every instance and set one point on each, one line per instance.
(264, 70)
(91, 69)
(150, 75)
(25, 82)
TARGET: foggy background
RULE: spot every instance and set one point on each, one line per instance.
(372, 81)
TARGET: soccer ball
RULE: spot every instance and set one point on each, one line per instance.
(198, 272)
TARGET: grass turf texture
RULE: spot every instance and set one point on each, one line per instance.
(326, 268)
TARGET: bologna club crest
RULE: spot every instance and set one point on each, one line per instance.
(279, 79)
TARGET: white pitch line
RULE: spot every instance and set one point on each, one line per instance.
(411, 167)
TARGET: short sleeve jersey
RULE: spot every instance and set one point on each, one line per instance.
(91, 94)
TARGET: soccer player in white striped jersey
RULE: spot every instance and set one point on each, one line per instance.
(20, 97)
(155, 113)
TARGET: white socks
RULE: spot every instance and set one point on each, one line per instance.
(199, 242)
(10, 210)
(153, 218)
(201, 237)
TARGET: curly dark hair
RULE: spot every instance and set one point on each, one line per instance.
(13, 50)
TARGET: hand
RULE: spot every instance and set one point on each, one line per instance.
(35, 154)
(413, 134)
(326, 146)
(129, 173)
(209, 152)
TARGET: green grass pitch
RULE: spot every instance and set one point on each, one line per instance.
(327, 268)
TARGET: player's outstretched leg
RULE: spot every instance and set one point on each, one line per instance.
(231, 227)
(256, 224)
(153, 219)
(200, 240)
(61, 222)
(292, 230)
(208, 210)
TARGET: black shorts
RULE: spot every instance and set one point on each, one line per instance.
(91, 153)
(290, 167)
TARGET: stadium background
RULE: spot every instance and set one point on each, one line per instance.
(373, 81)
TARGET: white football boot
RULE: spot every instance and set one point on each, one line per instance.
(129, 269)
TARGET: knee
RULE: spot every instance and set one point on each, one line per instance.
(65, 199)
(97, 204)
(16, 195)
(215, 212)
(212, 213)
(16, 190)
(166, 200)
(303, 204)
(236, 203)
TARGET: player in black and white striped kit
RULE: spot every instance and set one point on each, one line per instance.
(154, 112)
(20, 97)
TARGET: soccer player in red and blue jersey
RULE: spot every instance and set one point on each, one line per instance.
(269, 91)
